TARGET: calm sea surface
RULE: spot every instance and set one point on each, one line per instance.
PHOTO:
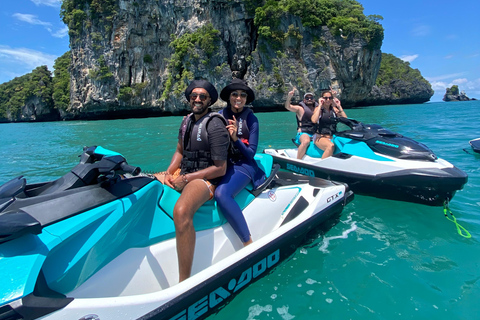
(383, 260)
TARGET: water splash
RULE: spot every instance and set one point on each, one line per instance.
(344, 235)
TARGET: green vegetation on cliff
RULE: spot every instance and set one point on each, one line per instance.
(188, 50)
(78, 14)
(342, 17)
(61, 81)
(393, 68)
(17, 92)
(453, 90)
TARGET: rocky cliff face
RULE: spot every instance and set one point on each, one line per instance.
(399, 92)
(140, 62)
(34, 109)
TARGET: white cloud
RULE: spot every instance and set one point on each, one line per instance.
(445, 76)
(471, 87)
(438, 85)
(409, 58)
(32, 19)
(27, 59)
(60, 33)
(460, 81)
(450, 56)
(50, 3)
(421, 31)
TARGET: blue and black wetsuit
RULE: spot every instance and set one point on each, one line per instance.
(241, 170)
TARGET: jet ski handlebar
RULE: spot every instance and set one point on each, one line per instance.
(97, 165)
(98, 161)
(352, 123)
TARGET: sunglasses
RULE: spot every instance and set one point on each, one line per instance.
(236, 94)
(309, 98)
(328, 98)
(202, 96)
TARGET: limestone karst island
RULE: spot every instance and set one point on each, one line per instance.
(135, 58)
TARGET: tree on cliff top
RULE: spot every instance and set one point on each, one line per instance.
(393, 68)
(342, 17)
(453, 90)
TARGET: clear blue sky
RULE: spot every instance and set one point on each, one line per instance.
(440, 38)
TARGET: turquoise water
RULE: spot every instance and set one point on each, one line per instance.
(383, 260)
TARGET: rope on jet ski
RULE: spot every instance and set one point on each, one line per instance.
(461, 230)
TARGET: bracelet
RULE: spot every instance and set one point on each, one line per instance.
(184, 178)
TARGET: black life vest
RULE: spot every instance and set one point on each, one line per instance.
(243, 132)
(196, 149)
(327, 123)
(305, 124)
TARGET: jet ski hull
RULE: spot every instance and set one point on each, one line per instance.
(378, 162)
(110, 253)
(429, 184)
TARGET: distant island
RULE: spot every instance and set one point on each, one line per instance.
(454, 94)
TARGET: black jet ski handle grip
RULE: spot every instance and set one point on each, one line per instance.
(134, 171)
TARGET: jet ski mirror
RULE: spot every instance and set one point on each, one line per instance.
(13, 187)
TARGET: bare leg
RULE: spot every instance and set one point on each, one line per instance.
(324, 143)
(302, 148)
(248, 242)
(193, 196)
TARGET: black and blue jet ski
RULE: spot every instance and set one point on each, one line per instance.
(99, 242)
(475, 144)
(378, 162)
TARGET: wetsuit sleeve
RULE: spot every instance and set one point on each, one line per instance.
(250, 150)
(218, 139)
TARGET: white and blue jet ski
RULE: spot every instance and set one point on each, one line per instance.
(378, 162)
(96, 244)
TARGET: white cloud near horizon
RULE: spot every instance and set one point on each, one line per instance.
(27, 59)
(471, 87)
(50, 3)
(409, 58)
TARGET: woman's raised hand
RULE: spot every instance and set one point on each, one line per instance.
(232, 128)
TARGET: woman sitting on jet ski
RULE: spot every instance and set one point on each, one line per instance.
(241, 167)
(324, 115)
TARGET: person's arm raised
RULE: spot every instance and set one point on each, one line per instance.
(293, 108)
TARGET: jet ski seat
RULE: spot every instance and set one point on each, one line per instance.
(208, 216)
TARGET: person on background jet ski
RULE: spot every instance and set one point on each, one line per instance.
(242, 168)
(197, 166)
(324, 115)
(305, 127)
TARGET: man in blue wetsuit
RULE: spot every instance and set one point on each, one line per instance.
(197, 166)
(305, 127)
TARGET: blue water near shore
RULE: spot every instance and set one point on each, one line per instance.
(383, 260)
